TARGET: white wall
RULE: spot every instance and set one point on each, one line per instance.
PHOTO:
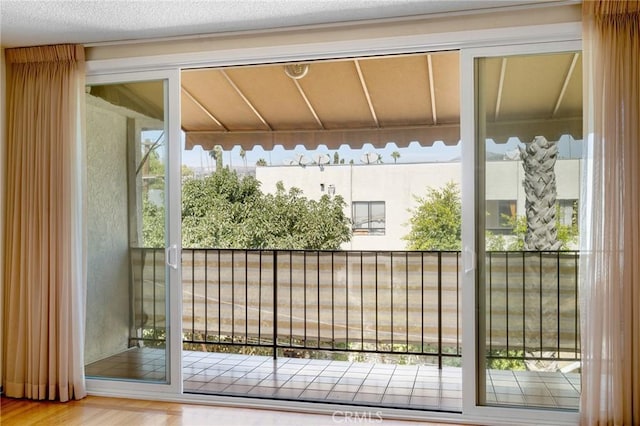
(107, 325)
(398, 184)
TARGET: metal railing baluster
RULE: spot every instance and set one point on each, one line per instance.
(576, 347)
(318, 278)
(406, 299)
(376, 295)
(219, 298)
(333, 321)
(206, 291)
(259, 296)
(246, 294)
(233, 297)
(346, 310)
(540, 299)
(193, 296)
(524, 309)
(304, 286)
(275, 304)
(154, 281)
(558, 300)
(361, 301)
(440, 310)
(422, 302)
(391, 287)
(506, 280)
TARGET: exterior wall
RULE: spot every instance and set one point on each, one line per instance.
(107, 324)
(395, 184)
(398, 184)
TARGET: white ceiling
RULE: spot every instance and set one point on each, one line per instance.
(37, 22)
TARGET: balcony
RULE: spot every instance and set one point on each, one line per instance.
(362, 327)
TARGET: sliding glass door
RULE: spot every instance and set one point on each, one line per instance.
(520, 128)
(133, 257)
(522, 204)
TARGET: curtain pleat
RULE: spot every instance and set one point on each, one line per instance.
(610, 269)
(44, 264)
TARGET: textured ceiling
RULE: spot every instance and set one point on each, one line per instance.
(35, 22)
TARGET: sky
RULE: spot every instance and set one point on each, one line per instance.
(414, 153)
(197, 158)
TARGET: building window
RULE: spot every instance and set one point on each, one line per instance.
(499, 214)
(368, 217)
(567, 212)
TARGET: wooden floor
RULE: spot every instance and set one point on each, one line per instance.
(101, 411)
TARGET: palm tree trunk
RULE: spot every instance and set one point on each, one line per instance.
(539, 159)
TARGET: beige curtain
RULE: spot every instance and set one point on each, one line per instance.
(44, 295)
(610, 272)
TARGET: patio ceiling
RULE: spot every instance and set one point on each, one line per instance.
(377, 100)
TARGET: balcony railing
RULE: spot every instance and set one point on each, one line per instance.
(371, 302)
(531, 305)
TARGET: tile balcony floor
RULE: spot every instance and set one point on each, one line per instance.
(356, 383)
(416, 387)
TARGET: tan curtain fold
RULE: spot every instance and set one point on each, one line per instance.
(44, 265)
(610, 272)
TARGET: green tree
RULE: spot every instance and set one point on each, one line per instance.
(243, 155)
(261, 162)
(152, 169)
(395, 155)
(436, 223)
(216, 154)
(156, 165)
(225, 210)
(152, 224)
(567, 235)
(186, 171)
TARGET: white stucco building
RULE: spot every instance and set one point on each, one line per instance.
(385, 193)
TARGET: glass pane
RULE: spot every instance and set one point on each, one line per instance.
(126, 324)
(377, 219)
(530, 122)
(360, 215)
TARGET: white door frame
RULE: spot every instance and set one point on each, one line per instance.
(173, 224)
(471, 44)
